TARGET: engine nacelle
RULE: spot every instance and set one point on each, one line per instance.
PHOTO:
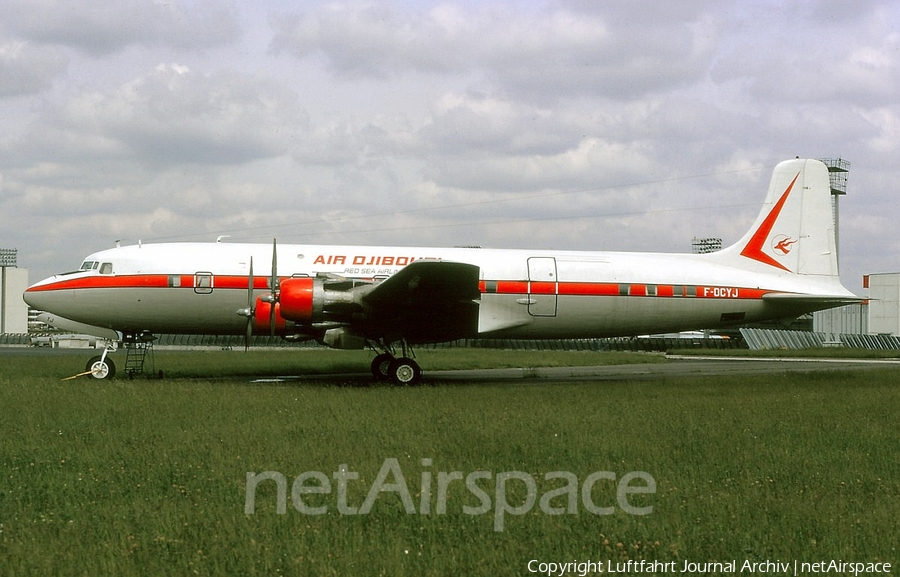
(308, 306)
(302, 300)
(262, 313)
(311, 300)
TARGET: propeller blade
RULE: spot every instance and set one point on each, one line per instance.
(249, 333)
(250, 286)
(273, 287)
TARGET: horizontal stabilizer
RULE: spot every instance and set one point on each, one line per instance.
(811, 302)
(838, 299)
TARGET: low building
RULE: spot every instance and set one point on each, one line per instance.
(884, 303)
(13, 310)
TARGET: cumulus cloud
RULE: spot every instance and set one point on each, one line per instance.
(842, 54)
(166, 139)
(28, 69)
(577, 53)
(100, 28)
(172, 116)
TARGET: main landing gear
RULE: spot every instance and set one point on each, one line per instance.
(401, 370)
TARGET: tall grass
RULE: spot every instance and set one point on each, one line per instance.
(328, 361)
(148, 477)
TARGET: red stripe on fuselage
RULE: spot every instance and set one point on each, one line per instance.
(588, 289)
(237, 282)
(92, 282)
(150, 281)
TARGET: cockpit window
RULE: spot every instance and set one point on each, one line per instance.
(105, 268)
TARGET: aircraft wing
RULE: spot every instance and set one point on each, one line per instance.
(427, 301)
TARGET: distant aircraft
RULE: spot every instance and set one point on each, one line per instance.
(354, 297)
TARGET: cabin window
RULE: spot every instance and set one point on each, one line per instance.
(106, 268)
(90, 265)
(203, 283)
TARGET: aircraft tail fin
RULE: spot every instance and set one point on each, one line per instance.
(795, 230)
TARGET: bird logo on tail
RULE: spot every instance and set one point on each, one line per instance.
(782, 244)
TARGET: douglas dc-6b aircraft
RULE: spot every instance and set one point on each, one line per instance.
(382, 297)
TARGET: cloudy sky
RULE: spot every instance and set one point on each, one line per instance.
(573, 124)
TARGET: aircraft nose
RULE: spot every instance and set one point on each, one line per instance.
(40, 295)
(32, 298)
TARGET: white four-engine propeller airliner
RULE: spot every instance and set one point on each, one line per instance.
(358, 296)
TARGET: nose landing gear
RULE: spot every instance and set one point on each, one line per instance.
(101, 367)
(137, 347)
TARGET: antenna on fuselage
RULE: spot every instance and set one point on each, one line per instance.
(221, 237)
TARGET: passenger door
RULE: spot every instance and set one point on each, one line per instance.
(542, 286)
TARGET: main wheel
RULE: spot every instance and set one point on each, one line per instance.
(405, 371)
(101, 368)
(381, 366)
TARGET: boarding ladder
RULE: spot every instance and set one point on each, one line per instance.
(137, 348)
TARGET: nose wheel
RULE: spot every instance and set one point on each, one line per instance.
(101, 367)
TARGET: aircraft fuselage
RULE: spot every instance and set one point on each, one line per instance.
(197, 287)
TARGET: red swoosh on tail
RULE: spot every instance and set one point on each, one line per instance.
(758, 240)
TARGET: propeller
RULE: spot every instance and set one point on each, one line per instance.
(271, 298)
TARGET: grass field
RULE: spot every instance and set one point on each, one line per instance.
(149, 477)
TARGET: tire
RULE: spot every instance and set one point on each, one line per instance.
(101, 369)
(381, 366)
(405, 371)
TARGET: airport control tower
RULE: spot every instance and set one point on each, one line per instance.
(13, 282)
(838, 171)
